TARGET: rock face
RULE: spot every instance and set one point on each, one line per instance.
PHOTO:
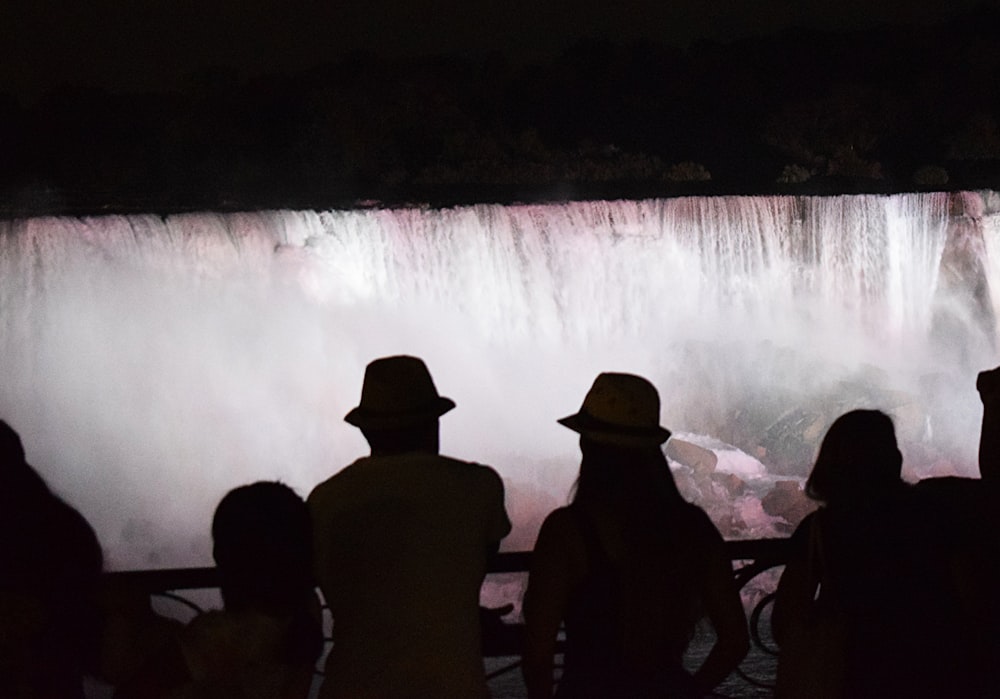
(962, 300)
(789, 502)
(700, 460)
(732, 485)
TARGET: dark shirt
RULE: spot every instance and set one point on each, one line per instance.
(598, 661)
(910, 573)
(50, 568)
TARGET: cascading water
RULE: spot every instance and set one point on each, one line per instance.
(152, 364)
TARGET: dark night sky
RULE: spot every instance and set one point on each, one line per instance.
(123, 45)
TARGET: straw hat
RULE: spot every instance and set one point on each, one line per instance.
(398, 392)
(621, 409)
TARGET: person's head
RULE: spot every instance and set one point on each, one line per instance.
(11, 448)
(262, 545)
(629, 475)
(18, 480)
(399, 407)
(620, 441)
(858, 460)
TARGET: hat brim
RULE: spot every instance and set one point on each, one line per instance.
(371, 419)
(610, 433)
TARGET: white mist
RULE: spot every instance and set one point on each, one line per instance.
(153, 364)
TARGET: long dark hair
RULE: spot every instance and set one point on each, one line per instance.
(858, 460)
(625, 476)
(635, 487)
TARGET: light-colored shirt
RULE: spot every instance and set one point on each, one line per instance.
(402, 543)
(241, 655)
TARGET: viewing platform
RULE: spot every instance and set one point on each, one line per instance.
(755, 567)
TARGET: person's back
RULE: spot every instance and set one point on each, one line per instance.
(871, 571)
(954, 521)
(629, 566)
(640, 594)
(50, 567)
(248, 654)
(872, 579)
(401, 545)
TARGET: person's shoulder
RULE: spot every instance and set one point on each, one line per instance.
(332, 484)
(471, 470)
(695, 517)
(559, 525)
(807, 522)
(698, 529)
(947, 487)
(560, 517)
(75, 535)
(952, 501)
(950, 493)
(461, 463)
(800, 537)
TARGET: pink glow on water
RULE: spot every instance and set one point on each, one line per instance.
(152, 364)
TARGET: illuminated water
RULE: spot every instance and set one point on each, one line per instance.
(152, 364)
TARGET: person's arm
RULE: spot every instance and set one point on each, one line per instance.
(545, 602)
(725, 612)
(796, 588)
(988, 385)
(497, 521)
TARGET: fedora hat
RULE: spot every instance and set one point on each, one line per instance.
(622, 409)
(398, 392)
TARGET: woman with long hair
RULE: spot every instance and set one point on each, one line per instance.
(835, 597)
(629, 566)
(877, 598)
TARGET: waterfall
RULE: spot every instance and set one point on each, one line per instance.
(151, 363)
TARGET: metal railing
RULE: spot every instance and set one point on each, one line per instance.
(751, 559)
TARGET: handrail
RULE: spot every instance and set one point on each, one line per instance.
(751, 557)
(769, 552)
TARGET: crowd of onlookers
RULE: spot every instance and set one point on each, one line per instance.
(889, 589)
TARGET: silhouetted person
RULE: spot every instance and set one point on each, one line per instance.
(629, 566)
(988, 385)
(879, 578)
(50, 568)
(965, 512)
(266, 640)
(402, 542)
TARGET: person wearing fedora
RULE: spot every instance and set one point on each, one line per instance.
(402, 539)
(629, 566)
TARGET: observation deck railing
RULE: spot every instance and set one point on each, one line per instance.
(751, 558)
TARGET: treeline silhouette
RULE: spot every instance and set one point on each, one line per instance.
(895, 108)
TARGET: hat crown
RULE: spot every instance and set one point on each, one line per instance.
(398, 390)
(622, 409)
(400, 384)
(623, 400)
